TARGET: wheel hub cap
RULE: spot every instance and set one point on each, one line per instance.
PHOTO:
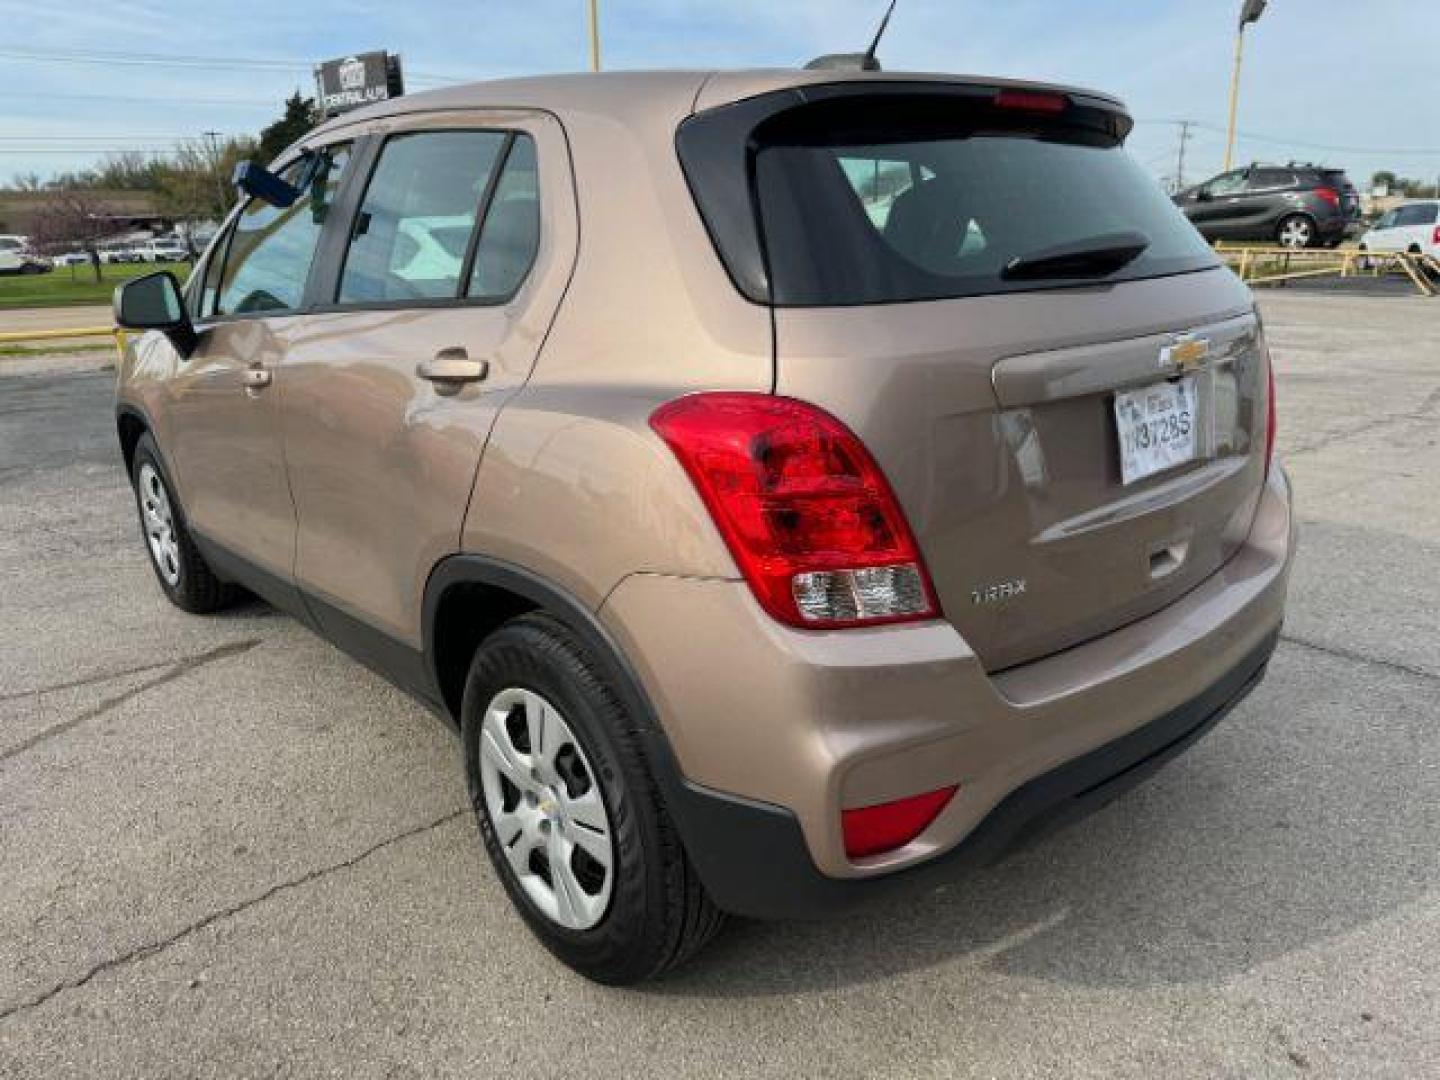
(158, 521)
(544, 802)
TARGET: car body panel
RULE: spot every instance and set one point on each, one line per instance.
(381, 463)
(1025, 491)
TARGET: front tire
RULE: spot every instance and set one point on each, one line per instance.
(570, 816)
(184, 575)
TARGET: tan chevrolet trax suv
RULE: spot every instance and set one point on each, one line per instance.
(781, 479)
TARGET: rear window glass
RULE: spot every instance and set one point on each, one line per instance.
(883, 209)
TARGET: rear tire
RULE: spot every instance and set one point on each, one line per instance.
(645, 911)
(183, 573)
(1296, 231)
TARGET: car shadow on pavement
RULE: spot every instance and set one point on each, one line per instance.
(1291, 823)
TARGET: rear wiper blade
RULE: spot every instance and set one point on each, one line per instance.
(1096, 256)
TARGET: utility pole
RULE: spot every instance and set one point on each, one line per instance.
(594, 35)
(1185, 126)
(212, 138)
(1250, 11)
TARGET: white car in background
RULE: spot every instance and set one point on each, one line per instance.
(161, 249)
(17, 258)
(1412, 226)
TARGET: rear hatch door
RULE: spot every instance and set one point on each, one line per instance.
(960, 287)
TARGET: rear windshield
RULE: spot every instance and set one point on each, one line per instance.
(879, 205)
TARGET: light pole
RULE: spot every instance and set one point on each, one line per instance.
(1250, 12)
(594, 35)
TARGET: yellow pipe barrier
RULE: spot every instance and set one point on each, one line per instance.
(116, 332)
(1251, 262)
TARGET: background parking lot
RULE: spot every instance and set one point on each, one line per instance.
(227, 850)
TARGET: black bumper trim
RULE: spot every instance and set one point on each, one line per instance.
(753, 858)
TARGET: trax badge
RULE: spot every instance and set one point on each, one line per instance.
(1185, 354)
(993, 594)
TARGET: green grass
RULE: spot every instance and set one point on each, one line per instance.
(55, 350)
(75, 284)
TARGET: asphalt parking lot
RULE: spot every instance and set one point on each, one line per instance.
(227, 850)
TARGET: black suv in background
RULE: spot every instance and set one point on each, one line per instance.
(1293, 205)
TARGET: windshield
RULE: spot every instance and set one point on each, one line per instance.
(851, 219)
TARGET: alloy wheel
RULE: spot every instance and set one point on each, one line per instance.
(1296, 232)
(158, 520)
(544, 802)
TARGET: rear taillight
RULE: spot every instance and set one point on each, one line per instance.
(872, 830)
(1031, 101)
(1435, 237)
(1329, 195)
(806, 512)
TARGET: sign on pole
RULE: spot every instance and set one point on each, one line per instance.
(362, 79)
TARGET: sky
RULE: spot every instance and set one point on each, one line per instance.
(1324, 80)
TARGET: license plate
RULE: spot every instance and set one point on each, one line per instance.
(1156, 427)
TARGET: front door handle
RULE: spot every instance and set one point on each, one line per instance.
(450, 369)
(256, 378)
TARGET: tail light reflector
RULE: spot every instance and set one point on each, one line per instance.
(806, 512)
(1269, 411)
(872, 830)
(1329, 195)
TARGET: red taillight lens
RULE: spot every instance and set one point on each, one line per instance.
(1269, 412)
(1435, 238)
(875, 829)
(1031, 101)
(1330, 195)
(806, 512)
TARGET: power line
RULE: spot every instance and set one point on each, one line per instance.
(231, 63)
(1301, 144)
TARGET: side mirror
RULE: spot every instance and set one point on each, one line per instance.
(1201, 195)
(153, 302)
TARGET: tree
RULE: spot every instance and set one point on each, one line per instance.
(1384, 178)
(299, 118)
(67, 220)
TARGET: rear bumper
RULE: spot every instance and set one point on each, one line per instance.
(767, 732)
(754, 861)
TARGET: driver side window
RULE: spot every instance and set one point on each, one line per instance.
(1226, 184)
(269, 250)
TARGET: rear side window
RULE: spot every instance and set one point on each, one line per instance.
(1415, 214)
(412, 234)
(1264, 179)
(893, 203)
(269, 250)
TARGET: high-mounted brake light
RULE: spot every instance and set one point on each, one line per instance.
(806, 512)
(1329, 195)
(872, 830)
(1031, 101)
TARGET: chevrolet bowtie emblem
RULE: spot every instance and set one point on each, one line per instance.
(1185, 354)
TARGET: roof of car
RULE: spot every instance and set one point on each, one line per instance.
(618, 92)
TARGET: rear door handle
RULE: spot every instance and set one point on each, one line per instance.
(257, 378)
(450, 369)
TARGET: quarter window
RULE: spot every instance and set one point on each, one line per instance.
(510, 235)
(268, 256)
